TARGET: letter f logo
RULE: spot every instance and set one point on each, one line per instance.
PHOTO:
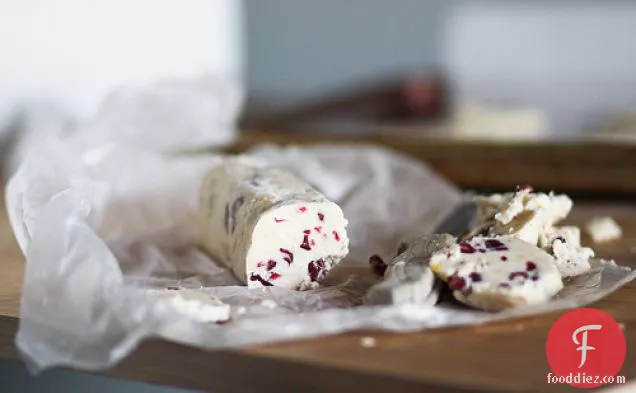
(584, 347)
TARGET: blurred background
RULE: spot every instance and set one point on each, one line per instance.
(525, 71)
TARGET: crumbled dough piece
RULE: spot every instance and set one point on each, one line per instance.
(531, 217)
(408, 278)
(367, 342)
(603, 229)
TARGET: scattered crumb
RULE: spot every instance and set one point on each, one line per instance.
(603, 229)
(269, 303)
(367, 342)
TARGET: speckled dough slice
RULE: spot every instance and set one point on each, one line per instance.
(498, 273)
(268, 226)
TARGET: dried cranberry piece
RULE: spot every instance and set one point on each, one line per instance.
(493, 243)
(274, 276)
(260, 264)
(321, 217)
(271, 264)
(305, 244)
(475, 277)
(279, 219)
(514, 275)
(302, 209)
(466, 248)
(318, 229)
(535, 278)
(504, 285)
(456, 283)
(530, 265)
(504, 258)
(482, 250)
(336, 235)
(289, 258)
(315, 268)
(257, 277)
(377, 264)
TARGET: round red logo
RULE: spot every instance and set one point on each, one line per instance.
(585, 348)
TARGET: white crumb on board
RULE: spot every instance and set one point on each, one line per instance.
(603, 229)
(367, 342)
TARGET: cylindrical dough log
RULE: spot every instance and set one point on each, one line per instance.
(268, 226)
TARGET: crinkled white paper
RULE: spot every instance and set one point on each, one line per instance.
(98, 224)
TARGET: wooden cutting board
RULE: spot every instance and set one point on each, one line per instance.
(506, 357)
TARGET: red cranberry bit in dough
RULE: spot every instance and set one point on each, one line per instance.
(257, 277)
(336, 236)
(274, 276)
(493, 243)
(315, 268)
(260, 264)
(318, 229)
(530, 265)
(377, 264)
(321, 217)
(271, 264)
(466, 248)
(504, 285)
(535, 278)
(482, 250)
(312, 242)
(302, 209)
(514, 275)
(456, 283)
(279, 219)
(289, 258)
(475, 277)
(305, 244)
(504, 258)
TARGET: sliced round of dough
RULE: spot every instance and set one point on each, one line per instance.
(494, 273)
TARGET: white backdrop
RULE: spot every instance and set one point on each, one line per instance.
(74, 51)
(573, 58)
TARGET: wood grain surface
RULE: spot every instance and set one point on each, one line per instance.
(506, 356)
(581, 168)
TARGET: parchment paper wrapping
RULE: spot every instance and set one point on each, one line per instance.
(98, 224)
